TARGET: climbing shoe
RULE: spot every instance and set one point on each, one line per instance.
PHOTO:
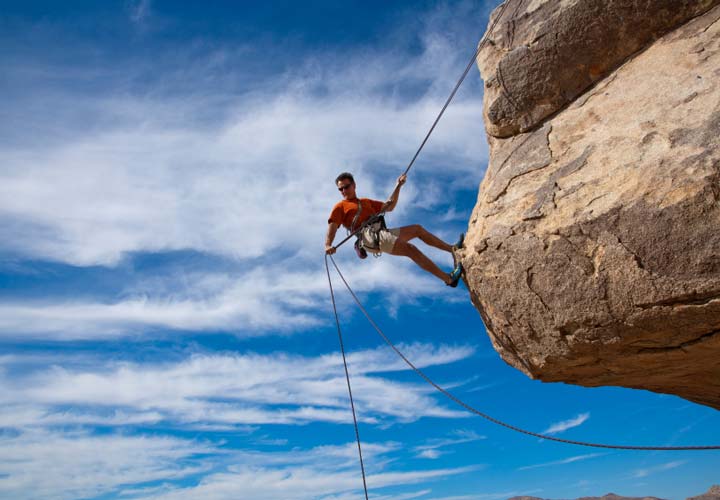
(455, 275)
(459, 244)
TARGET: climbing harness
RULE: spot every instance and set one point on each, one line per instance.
(470, 408)
(369, 231)
(359, 248)
(368, 234)
(369, 237)
(378, 217)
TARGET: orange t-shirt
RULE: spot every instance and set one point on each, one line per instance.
(344, 211)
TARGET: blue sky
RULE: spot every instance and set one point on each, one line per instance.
(166, 172)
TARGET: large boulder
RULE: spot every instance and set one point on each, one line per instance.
(593, 253)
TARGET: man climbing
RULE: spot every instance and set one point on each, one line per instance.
(352, 212)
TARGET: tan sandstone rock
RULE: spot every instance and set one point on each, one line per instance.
(609, 496)
(548, 52)
(593, 253)
(712, 494)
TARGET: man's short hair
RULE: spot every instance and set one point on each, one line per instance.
(343, 176)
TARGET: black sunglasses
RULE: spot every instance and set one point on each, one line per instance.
(343, 188)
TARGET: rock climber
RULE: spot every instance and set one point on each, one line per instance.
(352, 212)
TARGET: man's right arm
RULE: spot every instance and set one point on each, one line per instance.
(332, 229)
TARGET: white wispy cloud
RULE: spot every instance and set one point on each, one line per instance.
(67, 465)
(43, 398)
(210, 158)
(139, 11)
(564, 425)
(569, 460)
(55, 465)
(246, 303)
(647, 471)
(257, 178)
(190, 163)
(298, 483)
(224, 391)
(432, 448)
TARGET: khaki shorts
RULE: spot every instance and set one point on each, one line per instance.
(386, 239)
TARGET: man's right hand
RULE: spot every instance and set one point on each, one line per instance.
(329, 249)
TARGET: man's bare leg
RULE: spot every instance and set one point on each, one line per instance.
(407, 233)
(409, 250)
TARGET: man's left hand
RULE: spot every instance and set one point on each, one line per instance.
(401, 180)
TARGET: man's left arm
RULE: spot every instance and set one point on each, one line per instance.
(330, 237)
(392, 201)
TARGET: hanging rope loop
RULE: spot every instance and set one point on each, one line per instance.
(472, 409)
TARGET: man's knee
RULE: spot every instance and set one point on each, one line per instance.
(421, 231)
(407, 233)
(404, 248)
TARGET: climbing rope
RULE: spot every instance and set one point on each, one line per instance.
(458, 401)
(347, 378)
(362, 226)
(470, 408)
(460, 81)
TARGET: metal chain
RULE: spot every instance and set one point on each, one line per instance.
(483, 415)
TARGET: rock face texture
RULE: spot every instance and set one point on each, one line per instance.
(712, 494)
(548, 52)
(609, 496)
(593, 253)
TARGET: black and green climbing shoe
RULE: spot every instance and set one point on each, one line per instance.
(459, 244)
(455, 275)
